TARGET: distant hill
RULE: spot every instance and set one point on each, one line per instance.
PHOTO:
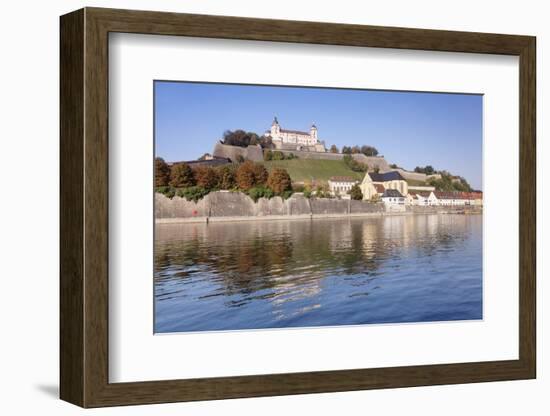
(301, 170)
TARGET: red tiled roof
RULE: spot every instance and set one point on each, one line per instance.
(452, 195)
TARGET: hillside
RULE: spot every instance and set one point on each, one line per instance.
(301, 170)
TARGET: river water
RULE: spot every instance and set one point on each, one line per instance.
(307, 273)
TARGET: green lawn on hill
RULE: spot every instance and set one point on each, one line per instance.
(301, 170)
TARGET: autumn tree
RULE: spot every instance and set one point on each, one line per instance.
(245, 175)
(356, 193)
(260, 174)
(162, 172)
(226, 176)
(333, 149)
(279, 181)
(206, 177)
(181, 176)
(322, 190)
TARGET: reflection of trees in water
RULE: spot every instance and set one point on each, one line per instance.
(275, 258)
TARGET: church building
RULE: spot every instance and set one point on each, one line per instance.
(294, 139)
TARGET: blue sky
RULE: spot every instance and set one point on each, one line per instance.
(408, 128)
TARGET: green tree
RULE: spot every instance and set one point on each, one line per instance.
(236, 138)
(333, 149)
(260, 192)
(354, 164)
(369, 150)
(278, 155)
(193, 193)
(450, 183)
(356, 192)
(162, 172)
(279, 181)
(181, 176)
(428, 170)
(268, 155)
(167, 191)
(346, 150)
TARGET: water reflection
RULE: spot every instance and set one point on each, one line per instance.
(247, 275)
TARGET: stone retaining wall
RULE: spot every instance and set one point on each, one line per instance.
(253, 152)
(417, 176)
(237, 204)
(225, 204)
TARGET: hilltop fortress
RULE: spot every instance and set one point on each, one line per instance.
(294, 139)
(307, 146)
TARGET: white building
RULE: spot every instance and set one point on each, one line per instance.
(393, 197)
(341, 185)
(452, 198)
(393, 200)
(422, 198)
(294, 139)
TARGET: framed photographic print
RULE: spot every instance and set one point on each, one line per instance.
(255, 207)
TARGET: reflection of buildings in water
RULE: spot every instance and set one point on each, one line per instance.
(291, 258)
(340, 236)
(371, 235)
(396, 231)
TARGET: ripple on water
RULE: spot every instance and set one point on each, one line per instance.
(309, 273)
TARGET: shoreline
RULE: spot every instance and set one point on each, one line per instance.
(207, 220)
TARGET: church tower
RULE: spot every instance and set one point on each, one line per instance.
(275, 128)
(313, 132)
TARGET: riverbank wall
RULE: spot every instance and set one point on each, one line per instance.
(236, 206)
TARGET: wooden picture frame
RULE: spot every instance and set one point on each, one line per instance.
(84, 207)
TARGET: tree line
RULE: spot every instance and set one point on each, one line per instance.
(352, 150)
(277, 155)
(194, 183)
(428, 169)
(242, 138)
(449, 182)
